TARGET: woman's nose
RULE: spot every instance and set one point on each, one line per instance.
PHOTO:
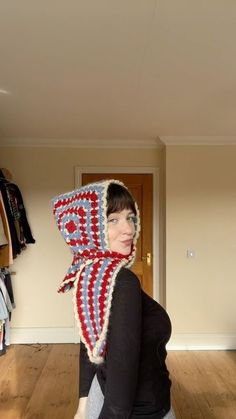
(127, 227)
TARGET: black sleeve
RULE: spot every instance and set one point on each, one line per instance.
(123, 347)
(87, 371)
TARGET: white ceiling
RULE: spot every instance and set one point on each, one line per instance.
(118, 70)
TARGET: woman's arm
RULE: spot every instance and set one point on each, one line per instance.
(80, 414)
(87, 371)
(123, 347)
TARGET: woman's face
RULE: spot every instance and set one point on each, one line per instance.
(121, 229)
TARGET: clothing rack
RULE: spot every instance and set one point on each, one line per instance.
(15, 234)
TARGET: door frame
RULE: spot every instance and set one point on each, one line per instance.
(79, 170)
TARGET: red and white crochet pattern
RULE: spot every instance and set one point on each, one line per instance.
(82, 221)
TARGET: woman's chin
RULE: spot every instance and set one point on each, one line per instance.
(125, 252)
(122, 250)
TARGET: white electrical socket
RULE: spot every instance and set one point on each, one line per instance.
(190, 253)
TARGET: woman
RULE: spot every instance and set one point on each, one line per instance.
(123, 331)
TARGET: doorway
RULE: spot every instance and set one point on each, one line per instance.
(142, 184)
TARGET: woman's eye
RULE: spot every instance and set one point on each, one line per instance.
(113, 220)
(132, 218)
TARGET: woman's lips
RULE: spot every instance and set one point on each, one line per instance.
(127, 243)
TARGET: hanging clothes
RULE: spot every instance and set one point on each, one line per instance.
(5, 311)
(6, 306)
(6, 277)
(19, 214)
(6, 255)
(20, 232)
(15, 234)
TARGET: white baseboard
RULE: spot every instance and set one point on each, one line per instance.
(202, 341)
(43, 335)
(183, 341)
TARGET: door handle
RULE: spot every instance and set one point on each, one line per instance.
(148, 259)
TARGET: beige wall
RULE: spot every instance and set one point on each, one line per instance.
(42, 173)
(201, 215)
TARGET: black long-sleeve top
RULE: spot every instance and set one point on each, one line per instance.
(133, 378)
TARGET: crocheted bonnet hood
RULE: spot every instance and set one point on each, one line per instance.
(81, 217)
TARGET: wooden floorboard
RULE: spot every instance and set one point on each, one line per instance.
(203, 384)
(41, 382)
(56, 393)
(18, 382)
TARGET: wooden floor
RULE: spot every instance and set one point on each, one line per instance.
(41, 382)
(204, 384)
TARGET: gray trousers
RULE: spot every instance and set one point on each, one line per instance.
(96, 399)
